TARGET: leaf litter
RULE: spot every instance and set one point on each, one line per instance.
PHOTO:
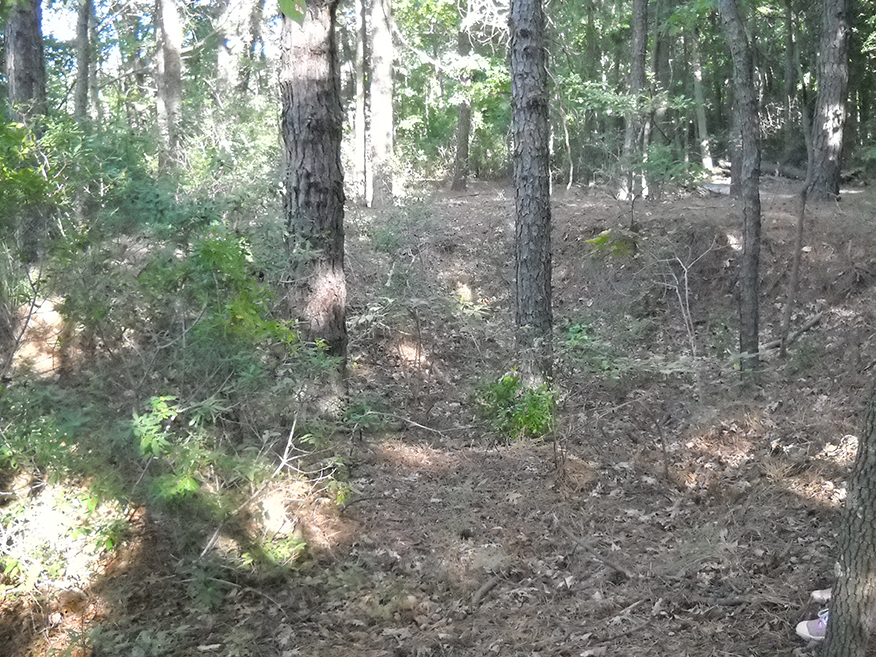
(673, 515)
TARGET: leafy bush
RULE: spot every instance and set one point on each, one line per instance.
(664, 167)
(516, 410)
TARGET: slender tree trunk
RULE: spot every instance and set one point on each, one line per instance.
(381, 132)
(700, 101)
(530, 131)
(830, 105)
(93, 69)
(313, 203)
(853, 604)
(463, 122)
(360, 129)
(790, 81)
(746, 108)
(632, 152)
(83, 61)
(169, 80)
(25, 63)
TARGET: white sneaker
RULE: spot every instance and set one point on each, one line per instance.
(815, 629)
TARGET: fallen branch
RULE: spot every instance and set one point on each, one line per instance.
(807, 325)
(482, 592)
(735, 600)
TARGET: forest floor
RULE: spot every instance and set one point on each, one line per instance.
(672, 513)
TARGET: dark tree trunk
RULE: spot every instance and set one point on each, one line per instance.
(830, 105)
(853, 605)
(632, 153)
(463, 124)
(530, 132)
(169, 80)
(381, 53)
(25, 63)
(745, 107)
(313, 203)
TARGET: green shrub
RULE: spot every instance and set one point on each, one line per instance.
(516, 410)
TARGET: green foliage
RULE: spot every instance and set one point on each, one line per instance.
(664, 167)
(293, 9)
(365, 414)
(582, 343)
(614, 242)
(24, 180)
(151, 428)
(516, 410)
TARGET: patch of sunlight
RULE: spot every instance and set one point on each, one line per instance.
(464, 293)
(40, 342)
(412, 353)
(843, 454)
(734, 241)
(53, 534)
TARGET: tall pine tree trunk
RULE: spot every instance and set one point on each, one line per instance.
(313, 203)
(830, 105)
(169, 80)
(632, 151)
(25, 63)
(463, 122)
(746, 110)
(381, 53)
(853, 605)
(530, 132)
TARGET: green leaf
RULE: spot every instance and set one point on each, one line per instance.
(293, 9)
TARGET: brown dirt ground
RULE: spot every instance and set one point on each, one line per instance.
(674, 514)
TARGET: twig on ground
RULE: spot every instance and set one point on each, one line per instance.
(482, 592)
(735, 600)
(421, 426)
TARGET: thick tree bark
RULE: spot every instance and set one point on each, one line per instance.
(381, 132)
(530, 132)
(632, 152)
(313, 203)
(853, 605)
(463, 124)
(25, 63)
(169, 80)
(830, 105)
(746, 109)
